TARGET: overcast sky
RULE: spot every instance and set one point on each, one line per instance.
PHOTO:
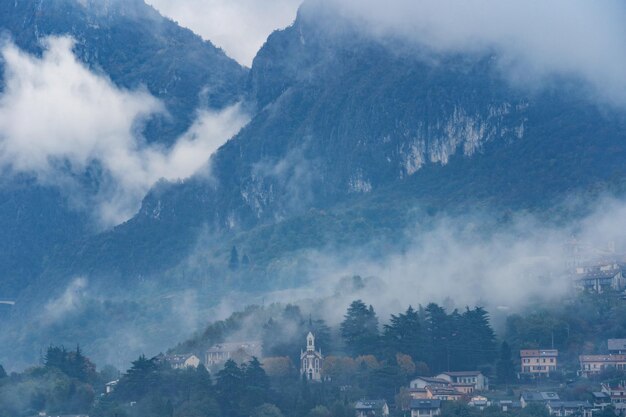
(240, 27)
(535, 39)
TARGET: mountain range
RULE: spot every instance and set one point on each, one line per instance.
(352, 139)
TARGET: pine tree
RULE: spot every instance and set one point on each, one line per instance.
(230, 388)
(3, 373)
(403, 334)
(139, 379)
(257, 384)
(438, 335)
(505, 369)
(359, 329)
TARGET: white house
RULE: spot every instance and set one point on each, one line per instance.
(425, 381)
(371, 408)
(109, 387)
(466, 382)
(183, 361)
(311, 361)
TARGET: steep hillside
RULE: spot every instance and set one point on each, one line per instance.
(129, 42)
(353, 140)
(346, 121)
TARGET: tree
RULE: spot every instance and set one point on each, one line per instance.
(406, 364)
(438, 331)
(359, 329)
(139, 380)
(340, 369)
(319, 411)
(477, 339)
(403, 334)
(233, 262)
(278, 367)
(257, 384)
(73, 364)
(3, 373)
(230, 388)
(505, 369)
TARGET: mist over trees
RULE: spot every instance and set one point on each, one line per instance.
(362, 359)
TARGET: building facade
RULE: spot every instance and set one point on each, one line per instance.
(425, 408)
(594, 364)
(371, 408)
(538, 362)
(466, 382)
(570, 408)
(237, 351)
(311, 360)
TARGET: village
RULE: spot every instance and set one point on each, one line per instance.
(563, 360)
(539, 376)
(426, 395)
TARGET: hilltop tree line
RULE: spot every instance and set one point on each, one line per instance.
(364, 358)
(444, 341)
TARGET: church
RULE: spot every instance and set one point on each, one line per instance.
(311, 361)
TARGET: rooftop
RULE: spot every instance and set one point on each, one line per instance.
(529, 396)
(569, 404)
(432, 380)
(234, 346)
(602, 358)
(425, 404)
(616, 344)
(463, 373)
(541, 353)
(370, 404)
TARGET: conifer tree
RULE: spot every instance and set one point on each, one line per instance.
(403, 334)
(359, 329)
(230, 388)
(505, 369)
(257, 384)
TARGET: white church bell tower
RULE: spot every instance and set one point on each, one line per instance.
(311, 361)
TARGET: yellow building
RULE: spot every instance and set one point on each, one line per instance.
(538, 362)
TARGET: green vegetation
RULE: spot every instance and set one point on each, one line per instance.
(362, 360)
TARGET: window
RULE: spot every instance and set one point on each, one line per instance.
(304, 363)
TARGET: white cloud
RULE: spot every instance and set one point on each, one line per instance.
(534, 39)
(58, 119)
(240, 27)
(70, 301)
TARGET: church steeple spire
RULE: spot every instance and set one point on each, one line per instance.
(310, 342)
